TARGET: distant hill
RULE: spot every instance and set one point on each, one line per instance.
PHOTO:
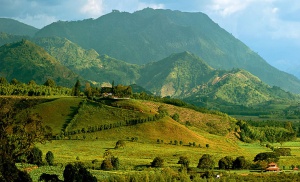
(88, 63)
(15, 27)
(237, 89)
(176, 75)
(26, 61)
(151, 35)
(186, 76)
(6, 38)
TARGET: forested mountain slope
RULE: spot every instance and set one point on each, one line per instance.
(151, 35)
(26, 61)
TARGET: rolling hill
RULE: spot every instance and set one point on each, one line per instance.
(26, 61)
(151, 35)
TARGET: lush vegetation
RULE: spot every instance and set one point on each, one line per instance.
(194, 32)
(26, 61)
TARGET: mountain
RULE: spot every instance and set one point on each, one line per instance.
(151, 35)
(238, 89)
(186, 76)
(26, 61)
(176, 75)
(88, 63)
(15, 27)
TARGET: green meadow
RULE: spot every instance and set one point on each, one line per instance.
(165, 137)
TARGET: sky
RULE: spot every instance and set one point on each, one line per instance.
(269, 27)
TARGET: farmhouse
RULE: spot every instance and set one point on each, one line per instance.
(272, 167)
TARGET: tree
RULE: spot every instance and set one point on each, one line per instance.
(240, 163)
(267, 156)
(50, 83)
(107, 165)
(19, 131)
(35, 156)
(31, 82)
(225, 162)
(206, 162)
(176, 117)
(184, 161)
(3, 81)
(88, 89)
(157, 162)
(14, 82)
(49, 158)
(120, 143)
(110, 162)
(77, 172)
(76, 89)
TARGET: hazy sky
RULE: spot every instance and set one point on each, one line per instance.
(269, 27)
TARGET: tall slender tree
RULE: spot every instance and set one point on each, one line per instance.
(76, 89)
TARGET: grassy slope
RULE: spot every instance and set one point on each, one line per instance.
(143, 151)
(57, 111)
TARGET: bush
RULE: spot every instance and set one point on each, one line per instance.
(49, 158)
(35, 156)
(283, 151)
(49, 177)
(77, 172)
(107, 165)
(184, 161)
(206, 162)
(267, 156)
(157, 162)
(119, 144)
(240, 163)
(225, 162)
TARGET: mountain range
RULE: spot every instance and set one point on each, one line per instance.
(151, 35)
(170, 53)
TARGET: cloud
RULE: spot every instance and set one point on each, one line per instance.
(228, 7)
(93, 8)
(38, 20)
(142, 5)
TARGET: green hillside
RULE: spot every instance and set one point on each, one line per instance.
(15, 27)
(26, 61)
(88, 63)
(151, 35)
(6, 38)
(176, 76)
(240, 90)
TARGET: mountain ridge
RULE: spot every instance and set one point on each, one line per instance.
(150, 35)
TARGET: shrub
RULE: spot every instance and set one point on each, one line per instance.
(184, 161)
(35, 156)
(49, 177)
(77, 172)
(283, 151)
(157, 162)
(206, 162)
(176, 117)
(240, 163)
(267, 156)
(225, 162)
(107, 165)
(119, 144)
(49, 158)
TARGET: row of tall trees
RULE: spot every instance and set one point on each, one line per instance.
(271, 134)
(31, 88)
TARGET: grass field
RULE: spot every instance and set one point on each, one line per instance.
(215, 130)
